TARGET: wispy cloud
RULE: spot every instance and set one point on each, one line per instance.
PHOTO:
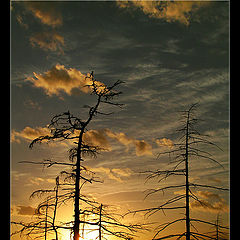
(210, 202)
(21, 21)
(25, 210)
(46, 12)
(32, 104)
(116, 174)
(48, 41)
(171, 11)
(141, 146)
(29, 134)
(100, 138)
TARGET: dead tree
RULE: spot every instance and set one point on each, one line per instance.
(44, 217)
(218, 233)
(108, 223)
(67, 127)
(181, 154)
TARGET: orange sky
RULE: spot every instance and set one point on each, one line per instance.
(169, 55)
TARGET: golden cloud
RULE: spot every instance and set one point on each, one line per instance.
(48, 41)
(143, 148)
(121, 137)
(60, 79)
(171, 11)
(46, 12)
(164, 142)
(29, 133)
(25, 210)
(115, 173)
(208, 195)
(97, 138)
(125, 172)
(211, 202)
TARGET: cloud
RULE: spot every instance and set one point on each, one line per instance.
(208, 195)
(60, 79)
(17, 175)
(91, 137)
(25, 210)
(48, 41)
(115, 173)
(170, 11)
(46, 12)
(32, 104)
(21, 22)
(215, 179)
(141, 147)
(97, 138)
(125, 172)
(211, 202)
(120, 137)
(35, 181)
(164, 142)
(29, 134)
(127, 196)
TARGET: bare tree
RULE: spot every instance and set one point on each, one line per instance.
(108, 223)
(45, 215)
(67, 127)
(188, 149)
(218, 233)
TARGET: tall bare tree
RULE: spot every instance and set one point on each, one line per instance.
(181, 154)
(67, 127)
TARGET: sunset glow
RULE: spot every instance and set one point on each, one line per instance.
(119, 120)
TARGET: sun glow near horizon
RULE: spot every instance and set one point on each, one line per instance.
(90, 235)
(87, 235)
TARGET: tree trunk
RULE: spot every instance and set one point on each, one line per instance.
(100, 222)
(187, 183)
(77, 190)
(55, 208)
(46, 218)
(76, 206)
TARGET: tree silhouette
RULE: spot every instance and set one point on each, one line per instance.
(109, 223)
(45, 215)
(65, 126)
(218, 233)
(188, 149)
(72, 129)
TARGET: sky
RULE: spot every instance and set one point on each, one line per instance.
(168, 54)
